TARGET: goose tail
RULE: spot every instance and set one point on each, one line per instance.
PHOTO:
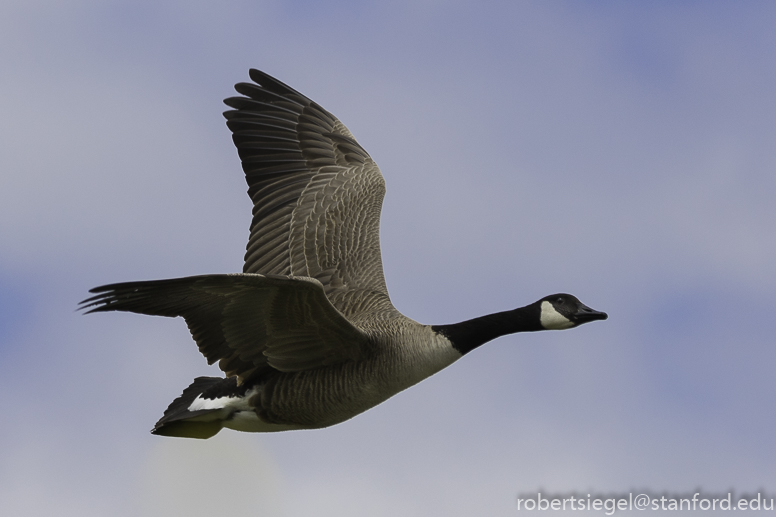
(200, 410)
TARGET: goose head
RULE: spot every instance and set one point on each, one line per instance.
(554, 312)
(564, 311)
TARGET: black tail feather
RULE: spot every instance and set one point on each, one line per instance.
(176, 420)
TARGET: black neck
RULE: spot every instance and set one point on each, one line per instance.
(470, 334)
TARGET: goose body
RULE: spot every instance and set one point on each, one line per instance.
(307, 335)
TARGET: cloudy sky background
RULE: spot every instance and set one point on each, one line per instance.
(620, 151)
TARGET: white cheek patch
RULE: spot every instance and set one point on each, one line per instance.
(552, 319)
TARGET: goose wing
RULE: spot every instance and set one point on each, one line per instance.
(316, 195)
(249, 323)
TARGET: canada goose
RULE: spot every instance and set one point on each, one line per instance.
(307, 335)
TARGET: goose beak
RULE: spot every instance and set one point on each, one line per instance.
(585, 314)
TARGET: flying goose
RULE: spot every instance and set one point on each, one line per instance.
(307, 335)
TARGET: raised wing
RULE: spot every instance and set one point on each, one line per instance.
(316, 196)
(248, 323)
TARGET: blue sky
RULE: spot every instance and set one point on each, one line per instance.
(621, 151)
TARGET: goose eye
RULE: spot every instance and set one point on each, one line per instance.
(559, 301)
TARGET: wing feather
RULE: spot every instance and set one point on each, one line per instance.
(317, 195)
(249, 323)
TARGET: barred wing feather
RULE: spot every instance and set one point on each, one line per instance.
(316, 195)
